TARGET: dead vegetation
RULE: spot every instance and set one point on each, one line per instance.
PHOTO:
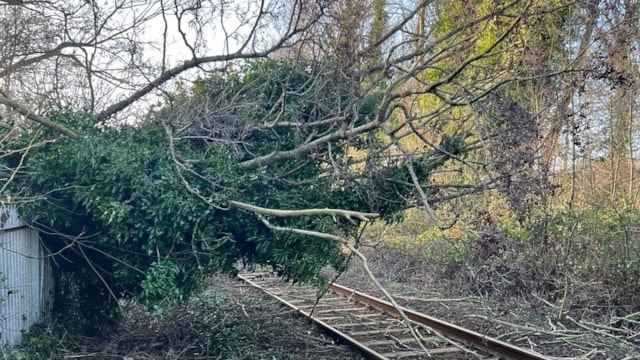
(577, 320)
(228, 321)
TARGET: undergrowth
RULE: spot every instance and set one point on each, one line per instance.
(586, 259)
(42, 341)
(197, 328)
(224, 322)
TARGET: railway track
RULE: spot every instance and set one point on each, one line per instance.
(375, 328)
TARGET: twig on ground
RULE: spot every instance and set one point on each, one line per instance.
(589, 327)
(453, 343)
(502, 322)
(581, 357)
(412, 298)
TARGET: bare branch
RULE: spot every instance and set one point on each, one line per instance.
(166, 76)
(305, 212)
(365, 265)
(45, 55)
(307, 148)
(37, 118)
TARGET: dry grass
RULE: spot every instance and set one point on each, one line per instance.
(228, 321)
(580, 325)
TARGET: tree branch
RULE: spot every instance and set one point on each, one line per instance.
(365, 265)
(37, 118)
(307, 148)
(166, 76)
(190, 64)
(305, 212)
(45, 55)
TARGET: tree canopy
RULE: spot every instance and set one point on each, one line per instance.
(152, 209)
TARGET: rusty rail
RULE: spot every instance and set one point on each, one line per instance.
(380, 318)
(466, 336)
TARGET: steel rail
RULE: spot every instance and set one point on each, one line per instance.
(370, 353)
(454, 332)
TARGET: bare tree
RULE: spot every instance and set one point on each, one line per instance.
(105, 57)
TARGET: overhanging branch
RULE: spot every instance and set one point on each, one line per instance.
(305, 212)
(166, 76)
(37, 118)
(196, 62)
(365, 265)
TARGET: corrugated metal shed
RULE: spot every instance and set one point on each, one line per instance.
(26, 282)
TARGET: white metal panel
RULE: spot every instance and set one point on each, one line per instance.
(27, 277)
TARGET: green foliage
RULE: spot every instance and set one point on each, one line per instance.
(118, 200)
(255, 101)
(126, 215)
(161, 281)
(130, 213)
(41, 342)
